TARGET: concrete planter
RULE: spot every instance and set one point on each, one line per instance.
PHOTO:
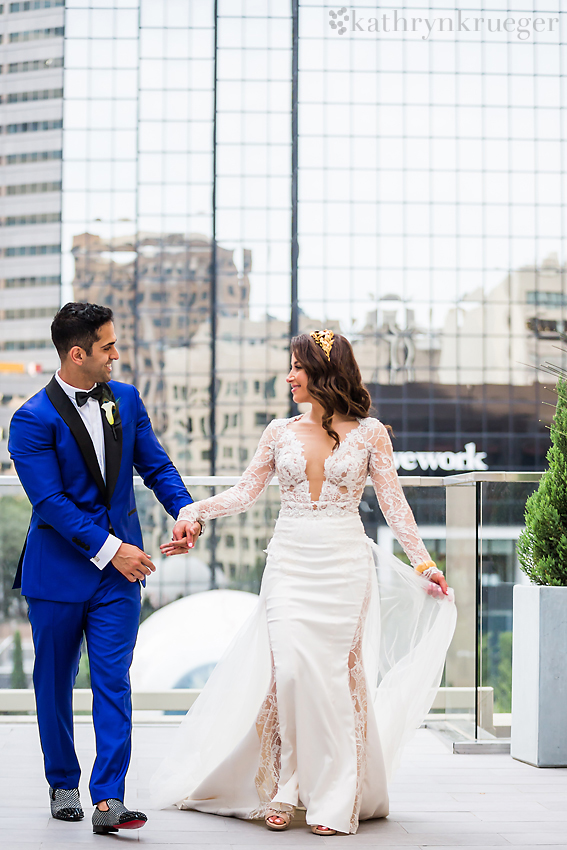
(539, 676)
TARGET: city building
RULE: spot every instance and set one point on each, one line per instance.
(480, 380)
(159, 288)
(233, 174)
(31, 144)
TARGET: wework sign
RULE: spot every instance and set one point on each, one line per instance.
(468, 460)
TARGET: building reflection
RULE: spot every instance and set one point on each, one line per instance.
(409, 197)
(453, 406)
(159, 287)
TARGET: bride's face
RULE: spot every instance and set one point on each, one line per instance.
(297, 379)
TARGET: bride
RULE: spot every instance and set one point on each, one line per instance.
(314, 699)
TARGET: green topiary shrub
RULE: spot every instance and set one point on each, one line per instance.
(542, 546)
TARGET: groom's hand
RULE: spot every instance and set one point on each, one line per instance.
(185, 534)
(132, 562)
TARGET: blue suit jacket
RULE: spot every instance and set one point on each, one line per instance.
(73, 508)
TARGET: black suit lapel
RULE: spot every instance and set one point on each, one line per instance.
(66, 410)
(112, 446)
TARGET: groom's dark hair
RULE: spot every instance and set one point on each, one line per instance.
(77, 324)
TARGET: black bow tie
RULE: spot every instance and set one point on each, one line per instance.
(96, 393)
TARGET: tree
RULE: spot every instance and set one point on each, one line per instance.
(496, 669)
(19, 678)
(503, 684)
(83, 677)
(542, 546)
(14, 520)
(147, 609)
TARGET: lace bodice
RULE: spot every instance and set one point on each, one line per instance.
(366, 450)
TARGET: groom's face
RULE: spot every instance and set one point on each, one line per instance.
(98, 365)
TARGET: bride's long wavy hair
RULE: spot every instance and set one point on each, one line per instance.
(336, 383)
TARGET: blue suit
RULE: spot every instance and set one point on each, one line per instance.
(73, 511)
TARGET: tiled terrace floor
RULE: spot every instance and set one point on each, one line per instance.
(437, 800)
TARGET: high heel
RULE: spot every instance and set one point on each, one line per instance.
(317, 829)
(283, 811)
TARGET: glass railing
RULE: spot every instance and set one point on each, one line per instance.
(470, 524)
(485, 514)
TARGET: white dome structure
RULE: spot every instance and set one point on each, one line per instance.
(181, 576)
(179, 645)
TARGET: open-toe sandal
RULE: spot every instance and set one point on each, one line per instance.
(317, 829)
(281, 811)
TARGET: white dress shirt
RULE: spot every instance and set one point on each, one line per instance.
(91, 414)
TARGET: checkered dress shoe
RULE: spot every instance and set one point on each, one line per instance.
(117, 817)
(65, 804)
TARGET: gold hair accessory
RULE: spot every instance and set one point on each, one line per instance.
(324, 340)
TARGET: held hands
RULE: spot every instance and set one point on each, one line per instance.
(184, 535)
(132, 562)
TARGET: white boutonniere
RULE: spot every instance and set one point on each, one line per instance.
(109, 407)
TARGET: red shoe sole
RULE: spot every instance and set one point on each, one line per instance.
(132, 824)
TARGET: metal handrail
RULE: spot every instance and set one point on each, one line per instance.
(492, 478)
(463, 492)
(405, 480)
(181, 699)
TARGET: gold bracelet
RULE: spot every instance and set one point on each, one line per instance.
(421, 568)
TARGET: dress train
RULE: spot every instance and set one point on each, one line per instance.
(319, 691)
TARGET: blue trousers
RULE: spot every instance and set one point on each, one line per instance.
(109, 621)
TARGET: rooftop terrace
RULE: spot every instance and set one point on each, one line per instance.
(437, 800)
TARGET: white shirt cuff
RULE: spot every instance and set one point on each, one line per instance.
(107, 551)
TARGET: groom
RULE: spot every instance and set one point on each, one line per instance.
(75, 445)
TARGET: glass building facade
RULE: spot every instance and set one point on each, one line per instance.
(31, 113)
(432, 219)
(235, 171)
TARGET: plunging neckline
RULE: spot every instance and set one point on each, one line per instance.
(332, 453)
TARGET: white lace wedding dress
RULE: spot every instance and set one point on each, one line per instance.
(341, 660)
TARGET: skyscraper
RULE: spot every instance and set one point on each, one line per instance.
(399, 180)
(31, 95)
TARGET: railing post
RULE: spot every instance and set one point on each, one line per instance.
(461, 507)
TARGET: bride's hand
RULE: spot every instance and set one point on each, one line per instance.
(439, 578)
(184, 535)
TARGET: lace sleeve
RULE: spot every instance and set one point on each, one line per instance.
(242, 496)
(391, 499)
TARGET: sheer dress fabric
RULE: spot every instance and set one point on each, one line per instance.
(338, 665)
